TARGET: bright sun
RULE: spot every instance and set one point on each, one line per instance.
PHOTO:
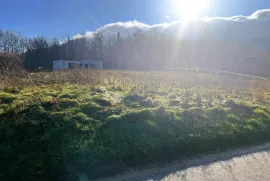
(189, 9)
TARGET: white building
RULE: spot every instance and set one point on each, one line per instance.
(68, 64)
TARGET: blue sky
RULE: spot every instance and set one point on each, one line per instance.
(63, 18)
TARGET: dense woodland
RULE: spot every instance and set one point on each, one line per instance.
(138, 51)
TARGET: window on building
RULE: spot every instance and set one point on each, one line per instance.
(74, 65)
(86, 66)
(92, 66)
(71, 65)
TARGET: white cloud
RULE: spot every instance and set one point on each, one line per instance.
(78, 36)
(235, 28)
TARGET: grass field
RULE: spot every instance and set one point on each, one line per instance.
(56, 125)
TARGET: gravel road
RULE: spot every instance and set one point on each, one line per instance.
(246, 164)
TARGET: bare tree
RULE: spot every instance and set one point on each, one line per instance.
(12, 47)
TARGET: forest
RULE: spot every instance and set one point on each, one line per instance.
(137, 51)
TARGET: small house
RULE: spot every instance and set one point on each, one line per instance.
(68, 64)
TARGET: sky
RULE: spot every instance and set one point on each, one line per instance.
(62, 18)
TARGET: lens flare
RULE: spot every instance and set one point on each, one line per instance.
(189, 9)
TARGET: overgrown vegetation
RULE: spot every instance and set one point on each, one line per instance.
(57, 125)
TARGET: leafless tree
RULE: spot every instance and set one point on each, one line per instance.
(12, 47)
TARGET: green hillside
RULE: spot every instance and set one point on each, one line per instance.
(54, 126)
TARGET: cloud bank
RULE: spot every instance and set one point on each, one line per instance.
(255, 27)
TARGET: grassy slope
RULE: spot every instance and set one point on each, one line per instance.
(49, 131)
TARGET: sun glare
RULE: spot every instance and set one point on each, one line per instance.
(189, 9)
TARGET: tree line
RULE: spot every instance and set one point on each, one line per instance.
(137, 51)
(12, 48)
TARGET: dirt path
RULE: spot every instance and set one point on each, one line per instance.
(249, 164)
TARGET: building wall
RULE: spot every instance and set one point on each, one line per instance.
(64, 64)
(67, 62)
(57, 65)
(98, 64)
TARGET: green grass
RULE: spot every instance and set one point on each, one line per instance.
(46, 127)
